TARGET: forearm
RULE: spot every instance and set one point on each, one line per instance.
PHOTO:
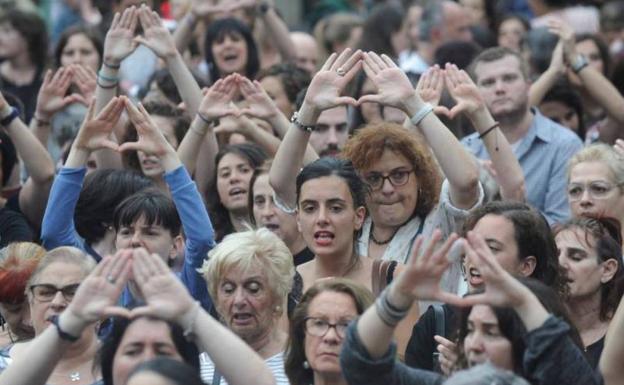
(267, 141)
(531, 311)
(106, 88)
(281, 125)
(509, 174)
(457, 164)
(35, 156)
(289, 157)
(603, 92)
(541, 86)
(199, 133)
(185, 82)
(227, 351)
(279, 34)
(41, 130)
(184, 33)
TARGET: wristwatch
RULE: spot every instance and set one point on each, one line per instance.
(295, 120)
(580, 62)
(264, 7)
(5, 121)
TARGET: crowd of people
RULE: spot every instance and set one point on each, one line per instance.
(389, 192)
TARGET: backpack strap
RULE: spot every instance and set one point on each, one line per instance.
(440, 320)
(380, 275)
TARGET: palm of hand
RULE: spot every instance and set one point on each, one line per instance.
(50, 101)
(160, 40)
(260, 106)
(325, 89)
(392, 85)
(467, 96)
(119, 43)
(166, 295)
(94, 133)
(215, 104)
(96, 294)
(430, 95)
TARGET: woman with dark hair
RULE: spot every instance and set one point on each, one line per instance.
(24, 48)
(162, 327)
(227, 202)
(229, 48)
(166, 370)
(79, 45)
(384, 31)
(317, 329)
(563, 104)
(283, 82)
(590, 254)
(512, 30)
(514, 326)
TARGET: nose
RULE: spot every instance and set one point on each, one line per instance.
(475, 342)
(268, 210)
(332, 136)
(322, 216)
(136, 240)
(58, 301)
(331, 337)
(387, 187)
(239, 297)
(499, 86)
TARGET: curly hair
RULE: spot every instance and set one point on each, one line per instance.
(367, 146)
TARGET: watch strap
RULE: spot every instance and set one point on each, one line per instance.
(63, 334)
(10, 117)
(295, 120)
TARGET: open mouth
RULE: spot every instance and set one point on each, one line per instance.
(237, 192)
(230, 58)
(242, 317)
(475, 277)
(272, 226)
(323, 238)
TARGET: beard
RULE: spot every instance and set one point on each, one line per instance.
(513, 116)
(331, 150)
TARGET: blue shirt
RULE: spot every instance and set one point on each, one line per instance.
(543, 154)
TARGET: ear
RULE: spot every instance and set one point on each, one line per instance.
(177, 248)
(298, 223)
(609, 268)
(360, 215)
(527, 266)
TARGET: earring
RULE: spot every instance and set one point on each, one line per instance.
(306, 365)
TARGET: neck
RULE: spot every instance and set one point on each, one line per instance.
(79, 353)
(333, 265)
(585, 315)
(329, 379)
(515, 129)
(269, 343)
(106, 245)
(297, 245)
(239, 220)
(383, 233)
(21, 63)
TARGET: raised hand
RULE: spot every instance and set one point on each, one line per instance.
(420, 279)
(165, 295)
(205, 8)
(430, 87)
(94, 134)
(327, 85)
(619, 147)
(155, 36)
(566, 38)
(463, 90)
(217, 99)
(151, 139)
(260, 103)
(119, 42)
(51, 98)
(86, 80)
(393, 87)
(96, 297)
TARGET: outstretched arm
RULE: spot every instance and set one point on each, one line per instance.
(613, 353)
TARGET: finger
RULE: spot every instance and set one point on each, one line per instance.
(389, 62)
(416, 252)
(341, 59)
(435, 238)
(115, 21)
(370, 98)
(372, 64)
(108, 111)
(346, 100)
(47, 78)
(441, 110)
(143, 311)
(442, 252)
(352, 61)
(144, 17)
(75, 98)
(100, 267)
(329, 62)
(107, 143)
(125, 16)
(378, 60)
(134, 20)
(448, 344)
(139, 270)
(116, 311)
(425, 80)
(368, 70)
(113, 269)
(90, 112)
(352, 72)
(142, 41)
(156, 18)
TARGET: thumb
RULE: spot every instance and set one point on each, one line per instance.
(116, 311)
(142, 311)
(75, 98)
(129, 146)
(456, 110)
(141, 40)
(442, 110)
(371, 98)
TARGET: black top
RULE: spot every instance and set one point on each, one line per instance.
(26, 93)
(593, 352)
(305, 255)
(14, 228)
(421, 345)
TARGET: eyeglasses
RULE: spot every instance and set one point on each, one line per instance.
(397, 177)
(318, 327)
(596, 190)
(46, 292)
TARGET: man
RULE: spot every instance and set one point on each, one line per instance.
(542, 146)
(441, 22)
(306, 51)
(331, 132)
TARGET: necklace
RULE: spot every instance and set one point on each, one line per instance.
(377, 242)
(74, 376)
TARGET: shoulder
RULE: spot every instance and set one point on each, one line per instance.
(554, 133)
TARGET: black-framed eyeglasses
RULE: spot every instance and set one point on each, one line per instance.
(318, 327)
(46, 292)
(397, 177)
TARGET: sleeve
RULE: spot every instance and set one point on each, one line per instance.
(358, 367)
(57, 228)
(421, 345)
(197, 229)
(556, 208)
(448, 217)
(549, 349)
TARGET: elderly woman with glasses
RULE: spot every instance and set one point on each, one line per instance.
(595, 182)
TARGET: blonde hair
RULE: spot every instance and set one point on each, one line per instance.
(64, 254)
(17, 262)
(245, 250)
(603, 153)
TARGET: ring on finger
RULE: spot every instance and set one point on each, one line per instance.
(341, 72)
(110, 279)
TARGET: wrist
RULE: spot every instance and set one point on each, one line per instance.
(479, 114)
(308, 114)
(412, 105)
(71, 324)
(171, 57)
(43, 116)
(399, 299)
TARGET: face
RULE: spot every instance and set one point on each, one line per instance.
(560, 113)
(503, 87)
(326, 216)
(322, 352)
(511, 33)
(12, 43)
(456, 24)
(266, 214)
(306, 52)
(475, 10)
(392, 205)
(143, 340)
(148, 378)
(17, 316)
(414, 14)
(498, 233)
(592, 191)
(273, 86)
(56, 275)
(485, 342)
(585, 274)
(152, 237)
(80, 50)
(150, 164)
(230, 53)
(233, 176)
(246, 302)
(331, 132)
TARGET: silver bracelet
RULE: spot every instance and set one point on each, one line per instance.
(389, 313)
(420, 115)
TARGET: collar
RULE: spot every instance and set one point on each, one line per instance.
(541, 126)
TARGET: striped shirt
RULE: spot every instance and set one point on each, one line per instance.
(275, 363)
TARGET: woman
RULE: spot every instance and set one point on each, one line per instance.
(317, 330)
(249, 275)
(512, 30)
(228, 199)
(590, 254)
(523, 245)
(161, 327)
(283, 82)
(164, 371)
(60, 270)
(265, 213)
(563, 105)
(596, 183)
(17, 262)
(510, 324)
(384, 31)
(229, 48)
(79, 45)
